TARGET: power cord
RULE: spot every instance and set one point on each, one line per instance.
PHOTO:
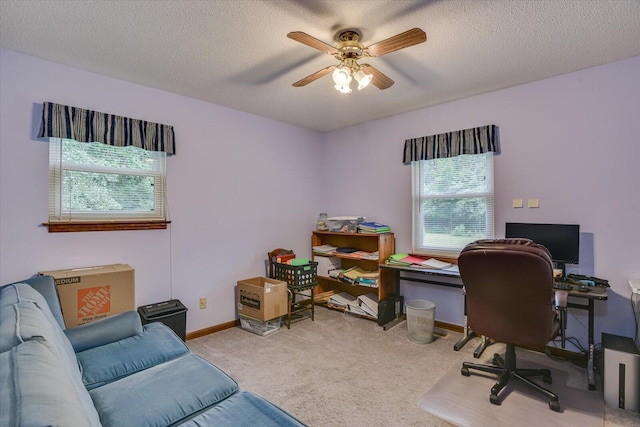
(581, 359)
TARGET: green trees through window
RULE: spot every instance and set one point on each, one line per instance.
(453, 202)
(98, 181)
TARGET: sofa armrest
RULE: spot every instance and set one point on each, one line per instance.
(104, 331)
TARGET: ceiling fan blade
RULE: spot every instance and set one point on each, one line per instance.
(315, 76)
(305, 38)
(379, 80)
(397, 42)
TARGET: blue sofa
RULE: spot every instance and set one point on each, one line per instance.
(112, 372)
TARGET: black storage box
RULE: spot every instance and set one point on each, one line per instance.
(172, 313)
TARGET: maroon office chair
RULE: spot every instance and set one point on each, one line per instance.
(509, 291)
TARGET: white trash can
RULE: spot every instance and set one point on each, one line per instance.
(421, 316)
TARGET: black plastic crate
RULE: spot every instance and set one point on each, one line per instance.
(298, 277)
(172, 313)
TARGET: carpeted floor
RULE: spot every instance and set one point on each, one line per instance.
(343, 370)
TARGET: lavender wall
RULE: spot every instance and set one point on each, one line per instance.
(226, 208)
(571, 141)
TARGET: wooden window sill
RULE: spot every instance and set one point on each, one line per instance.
(64, 227)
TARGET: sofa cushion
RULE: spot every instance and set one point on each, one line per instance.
(46, 285)
(26, 321)
(107, 363)
(29, 323)
(243, 409)
(163, 394)
(37, 391)
(104, 331)
(22, 292)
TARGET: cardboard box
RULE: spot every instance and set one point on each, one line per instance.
(262, 298)
(92, 293)
(326, 264)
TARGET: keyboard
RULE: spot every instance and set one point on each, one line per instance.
(563, 286)
(580, 287)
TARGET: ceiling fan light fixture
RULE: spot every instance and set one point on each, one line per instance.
(341, 76)
(349, 50)
(343, 89)
(363, 79)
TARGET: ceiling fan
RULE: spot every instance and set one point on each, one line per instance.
(349, 50)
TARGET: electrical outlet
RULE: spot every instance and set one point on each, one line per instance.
(203, 302)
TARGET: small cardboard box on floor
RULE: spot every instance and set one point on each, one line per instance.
(262, 298)
(92, 293)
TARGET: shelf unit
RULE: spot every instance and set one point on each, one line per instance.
(384, 243)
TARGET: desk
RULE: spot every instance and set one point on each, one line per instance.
(452, 278)
(590, 297)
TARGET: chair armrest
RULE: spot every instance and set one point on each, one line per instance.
(104, 331)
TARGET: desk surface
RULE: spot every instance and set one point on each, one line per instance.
(439, 272)
(454, 274)
(597, 293)
(444, 277)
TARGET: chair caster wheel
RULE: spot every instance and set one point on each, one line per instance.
(554, 405)
(465, 371)
(493, 398)
(547, 379)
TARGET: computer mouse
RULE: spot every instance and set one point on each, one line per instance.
(583, 288)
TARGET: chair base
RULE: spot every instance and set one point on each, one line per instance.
(507, 372)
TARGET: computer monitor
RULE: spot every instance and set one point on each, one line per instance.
(562, 240)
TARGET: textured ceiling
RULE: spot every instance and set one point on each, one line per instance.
(235, 53)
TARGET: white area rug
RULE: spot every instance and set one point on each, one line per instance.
(464, 401)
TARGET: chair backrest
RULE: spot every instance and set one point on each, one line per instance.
(273, 256)
(509, 290)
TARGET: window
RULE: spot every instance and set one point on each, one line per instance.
(95, 182)
(452, 203)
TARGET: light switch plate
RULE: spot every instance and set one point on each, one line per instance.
(517, 203)
(534, 203)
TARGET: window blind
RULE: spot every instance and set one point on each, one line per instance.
(453, 203)
(98, 182)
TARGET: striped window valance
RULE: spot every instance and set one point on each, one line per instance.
(478, 140)
(62, 121)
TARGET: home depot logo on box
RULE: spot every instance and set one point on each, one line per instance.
(94, 301)
(91, 293)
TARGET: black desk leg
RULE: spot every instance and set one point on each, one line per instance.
(590, 375)
(467, 333)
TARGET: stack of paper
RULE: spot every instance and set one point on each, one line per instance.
(435, 264)
(373, 227)
(414, 261)
(324, 249)
(359, 275)
(396, 259)
(372, 256)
